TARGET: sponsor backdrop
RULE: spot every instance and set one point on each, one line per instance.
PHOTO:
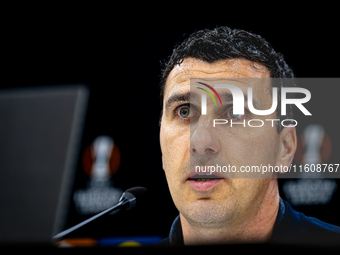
(120, 146)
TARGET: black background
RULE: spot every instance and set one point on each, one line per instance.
(117, 53)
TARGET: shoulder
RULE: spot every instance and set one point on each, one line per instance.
(175, 237)
(306, 223)
(164, 242)
(297, 227)
(310, 223)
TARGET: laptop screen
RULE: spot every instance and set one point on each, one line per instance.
(40, 134)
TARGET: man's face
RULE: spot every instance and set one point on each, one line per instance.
(182, 142)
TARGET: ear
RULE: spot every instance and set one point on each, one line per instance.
(288, 144)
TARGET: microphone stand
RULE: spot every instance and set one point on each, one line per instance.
(126, 199)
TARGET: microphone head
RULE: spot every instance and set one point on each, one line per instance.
(140, 193)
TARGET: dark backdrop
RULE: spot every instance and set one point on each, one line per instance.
(119, 59)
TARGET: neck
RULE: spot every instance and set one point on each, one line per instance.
(256, 226)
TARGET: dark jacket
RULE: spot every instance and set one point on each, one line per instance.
(291, 227)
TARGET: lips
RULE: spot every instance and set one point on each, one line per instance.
(203, 182)
(196, 176)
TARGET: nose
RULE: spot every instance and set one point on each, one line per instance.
(204, 142)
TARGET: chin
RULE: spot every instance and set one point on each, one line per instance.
(206, 212)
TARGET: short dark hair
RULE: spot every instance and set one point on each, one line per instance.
(224, 43)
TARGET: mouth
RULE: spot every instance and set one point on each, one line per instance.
(205, 182)
(204, 177)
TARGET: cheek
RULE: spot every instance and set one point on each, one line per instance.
(251, 146)
(175, 146)
(250, 190)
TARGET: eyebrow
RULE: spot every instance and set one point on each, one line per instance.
(180, 97)
(227, 96)
(186, 97)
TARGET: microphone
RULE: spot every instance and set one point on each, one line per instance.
(127, 201)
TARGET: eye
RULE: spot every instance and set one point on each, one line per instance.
(185, 112)
(229, 114)
(234, 116)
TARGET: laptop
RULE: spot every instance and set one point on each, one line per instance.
(40, 137)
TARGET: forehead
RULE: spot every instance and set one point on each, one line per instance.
(179, 78)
